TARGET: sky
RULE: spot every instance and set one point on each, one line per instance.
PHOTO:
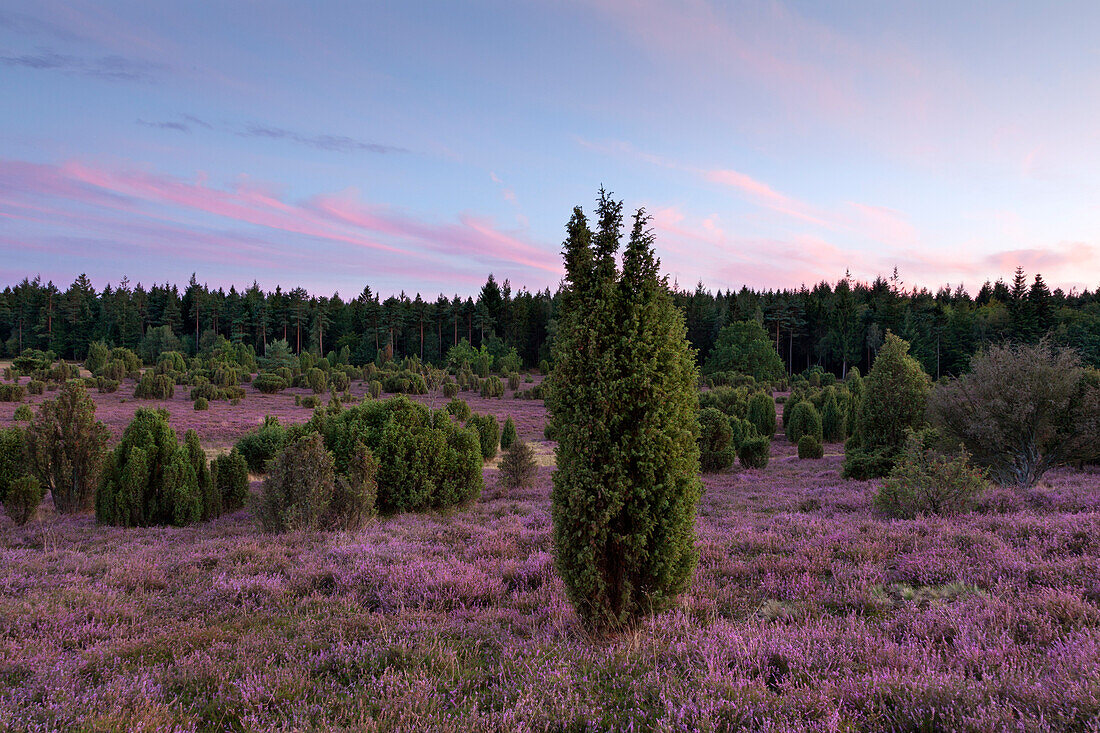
(419, 146)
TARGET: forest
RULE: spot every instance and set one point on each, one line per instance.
(832, 325)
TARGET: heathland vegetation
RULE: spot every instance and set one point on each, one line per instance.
(616, 506)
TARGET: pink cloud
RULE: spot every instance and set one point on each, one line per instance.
(111, 197)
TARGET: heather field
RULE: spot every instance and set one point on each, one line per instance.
(808, 612)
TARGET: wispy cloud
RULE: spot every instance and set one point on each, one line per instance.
(112, 68)
(330, 143)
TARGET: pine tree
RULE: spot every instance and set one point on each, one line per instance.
(623, 405)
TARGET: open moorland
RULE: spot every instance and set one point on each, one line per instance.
(808, 610)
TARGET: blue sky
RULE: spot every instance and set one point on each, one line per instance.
(420, 146)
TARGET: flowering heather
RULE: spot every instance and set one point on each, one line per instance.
(808, 612)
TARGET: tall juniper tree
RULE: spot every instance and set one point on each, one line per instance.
(623, 405)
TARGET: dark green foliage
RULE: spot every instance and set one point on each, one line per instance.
(311, 401)
(355, 494)
(114, 371)
(459, 408)
(12, 393)
(717, 450)
(544, 367)
(131, 363)
(804, 420)
(513, 381)
(149, 479)
(98, 356)
(508, 434)
(36, 387)
(509, 363)
(269, 383)
(745, 347)
(404, 382)
(425, 461)
(262, 444)
(155, 387)
(733, 401)
(894, 396)
(171, 361)
(924, 481)
(450, 389)
(1022, 410)
(755, 452)
(201, 403)
(23, 413)
(22, 498)
(810, 447)
(375, 389)
(298, 490)
(832, 420)
(518, 467)
(33, 360)
(211, 497)
(317, 380)
(488, 431)
(66, 447)
(623, 405)
(13, 462)
(492, 387)
(230, 475)
(740, 431)
(761, 413)
(340, 381)
(481, 365)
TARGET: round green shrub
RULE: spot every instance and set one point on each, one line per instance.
(155, 387)
(21, 501)
(924, 481)
(230, 475)
(269, 383)
(810, 447)
(262, 444)
(761, 413)
(201, 403)
(755, 452)
(36, 387)
(518, 467)
(298, 489)
(450, 389)
(717, 451)
(12, 393)
(459, 408)
(311, 402)
(23, 413)
(804, 420)
(488, 431)
(508, 434)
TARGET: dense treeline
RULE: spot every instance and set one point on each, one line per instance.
(834, 326)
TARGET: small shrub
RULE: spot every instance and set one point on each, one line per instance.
(761, 413)
(201, 403)
(155, 387)
(340, 381)
(36, 387)
(508, 434)
(66, 447)
(492, 387)
(450, 390)
(488, 431)
(513, 381)
(23, 413)
(298, 489)
(22, 499)
(106, 386)
(269, 383)
(717, 451)
(311, 402)
(833, 427)
(924, 481)
(544, 367)
(263, 444)
(755, 452)
(810, 447)
(459, 408)
(98, 356)
(518, 467)
(317, 380)
(13, 462)
(12, 393)
(804, 420)
(230, 475)
(375, 389)
(355, 492)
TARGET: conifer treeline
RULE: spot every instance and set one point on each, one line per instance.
(834, 326)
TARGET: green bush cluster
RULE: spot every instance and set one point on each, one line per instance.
(269, 383)
(201, 404)
(12, 393)
(150, 479)
(761, 413)
(229, 472)
(36, 387)
(459, 408)
(65, 448)
(717, 450)
(754, 452)
(492, 387)
(22, 499)
(809, 447)
(925, 481)
(488, 431)
(262, 444)
(155, 387)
